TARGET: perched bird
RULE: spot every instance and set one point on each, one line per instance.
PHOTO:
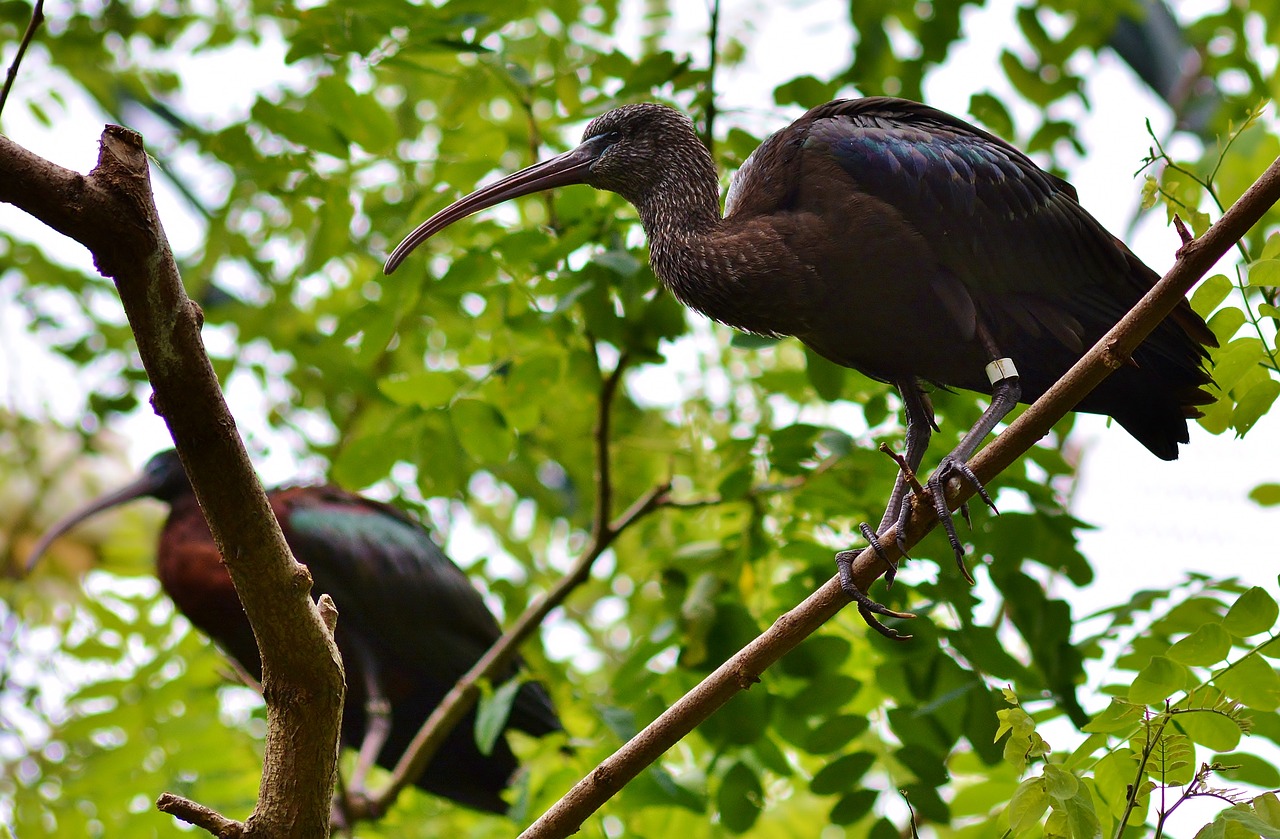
(410, 623)
(898, 240)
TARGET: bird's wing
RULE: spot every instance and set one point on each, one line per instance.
(386, 575)
(995, 220)
(394, 586)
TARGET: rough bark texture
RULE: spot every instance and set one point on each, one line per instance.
(112, 212)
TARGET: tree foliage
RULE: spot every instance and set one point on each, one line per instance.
(467, 387)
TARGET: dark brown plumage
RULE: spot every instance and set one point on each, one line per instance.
(410, 626)
(900, 241)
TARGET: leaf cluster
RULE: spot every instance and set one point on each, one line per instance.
(466, 388)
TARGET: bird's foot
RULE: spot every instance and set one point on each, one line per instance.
(867, 607)
(937, 488)
(873, 540)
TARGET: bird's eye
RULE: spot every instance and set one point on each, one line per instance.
(603, 144)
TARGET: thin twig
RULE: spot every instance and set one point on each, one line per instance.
(713, 39)
(604, 469)
(199, 815)
(463, 696)
(37, 18)
(745, 667)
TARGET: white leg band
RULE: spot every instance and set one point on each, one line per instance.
(1001, 369)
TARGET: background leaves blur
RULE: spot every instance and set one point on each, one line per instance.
(465, 388)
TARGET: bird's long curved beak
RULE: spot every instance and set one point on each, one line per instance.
(143, 486)
(561, 170)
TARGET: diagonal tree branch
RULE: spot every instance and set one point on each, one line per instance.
(744, 669)
(112, 212)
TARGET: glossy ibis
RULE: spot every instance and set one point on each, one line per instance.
(898, 240)
(410, 623)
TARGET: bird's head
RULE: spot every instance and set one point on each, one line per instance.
(629, 150)
(163, 478)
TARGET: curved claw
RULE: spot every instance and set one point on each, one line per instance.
(904, 515)
(867, 607)
(870, 620)
(874, 541)
(937, 487)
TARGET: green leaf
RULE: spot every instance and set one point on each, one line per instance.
(1210, 294)
(1060, 784)
(826, 377)
(300, 127)
(1158, 681)
(1254, 612)
(842, 774)
(1208, 645)
(424, 388)
(1113, 774)
(804, 91)
(1210, 729)
(1250, 822)
(1082, 819)
(1255, 402)
(1030, 801)
(492, 714)
(1271, 248)
(356, 116)
(1057, 826)
(991, 112)
(740, 798)
(1023, 743)
(481, 431)
(1234, 360)
(1252, 682)
(853, 806)
(1247, 768)
(1171, 758)
(834, 734)
(823, 695)
(1267, 805)
(748, 341)
(1265, 273)
(619, 262)
(1225, 323)
(1118, 716)
(1081, 756)
(1266, 495)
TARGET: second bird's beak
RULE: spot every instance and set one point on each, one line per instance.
(144, 486)
(562, 170)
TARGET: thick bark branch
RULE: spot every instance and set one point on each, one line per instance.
(112, 212)
(744, 668)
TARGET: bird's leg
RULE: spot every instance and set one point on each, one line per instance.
(920, 424)
(1006, 390)
(377, 717)
(898, 497)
